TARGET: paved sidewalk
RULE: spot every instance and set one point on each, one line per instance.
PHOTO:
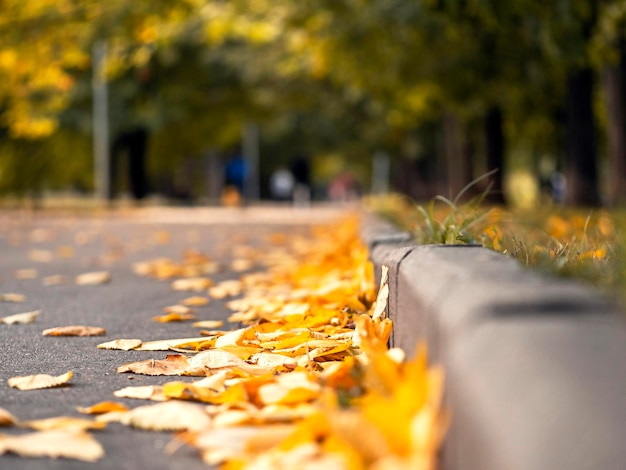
(124, 307)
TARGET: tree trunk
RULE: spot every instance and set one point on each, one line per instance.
(614, 81)
(495, 153)
(456, 161)
(581, 158)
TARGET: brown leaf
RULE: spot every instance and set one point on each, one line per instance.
(174, 317)
(55, 280)
(182, 309)
(10, 297)
(173, 364)
(75, 330)
(172, 415)
(93, 278)
(167, 344)
(27, 273)
(6, 418)
(192, 284)
(121, 344)
(54, 444)
(41, 256)
(224, 289)
(143, 392)
(21, 318)
(195, 301)
(102, 407)
(208, 324)
(66, 423)
(35, 382)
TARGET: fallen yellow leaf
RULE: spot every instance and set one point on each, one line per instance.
(208, 324)
(195, 301)
(55, 280)
(93, 278)
(74, 330)
(102, 407)
(34, 382)
(53, 444)
(142, 392)
(168, 416)
(174, 317)
(26, 273)
(121, 344)
(66, 423)
(21, 318)
(173, 364)
(11, 297)
(192, 284)
(6, 418)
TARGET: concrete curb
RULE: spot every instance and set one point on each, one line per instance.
(535, 367)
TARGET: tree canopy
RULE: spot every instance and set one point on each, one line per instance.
(349, 77)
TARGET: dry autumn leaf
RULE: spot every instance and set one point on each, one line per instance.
(174, 317)
(208, 324)
(41, 256)
(182, 309)
(20, 318)
(6, 418)
(173, 364)
(121, 344)
(11, 297)
(27, 273)
(39, 381)
(101, 408)
(142, 392)
(225, 289)
(65, 423)
(53, 444)
(93, 278)
(55, 280)
(74, 330)
(195, 301)
(192, 284)
(168, 416)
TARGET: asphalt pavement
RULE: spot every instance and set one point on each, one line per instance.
(72, 244)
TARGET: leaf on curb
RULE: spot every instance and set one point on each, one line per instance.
(173, 364)
(192, 284)
(66, 423)
(121, 344)
(142, 392)
(75, 330)
(93, 278)
(6, 418)
(168, 416)
(195, 301)
(53, 444)
(20, 318)
(383, 295)
(39, 381)
(174, 317)
(11, 297)
(101, 408)
(208, 324)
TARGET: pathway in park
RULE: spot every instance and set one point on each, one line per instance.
(35, 249)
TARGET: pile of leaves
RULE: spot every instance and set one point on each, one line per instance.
(306, 381)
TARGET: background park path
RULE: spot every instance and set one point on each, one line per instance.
(69, 245)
